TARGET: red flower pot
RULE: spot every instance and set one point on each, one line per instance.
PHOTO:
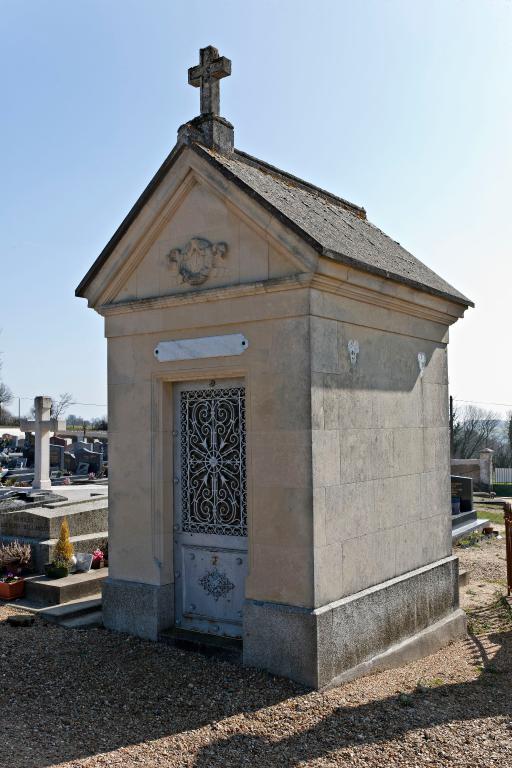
(13, 590)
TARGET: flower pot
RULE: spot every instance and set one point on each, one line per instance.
(12, 590)
(97, 564)
(56, 572)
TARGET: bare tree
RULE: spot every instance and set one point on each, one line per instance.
(60, 406)
(6, 397)
(473, 430)
(100, 423)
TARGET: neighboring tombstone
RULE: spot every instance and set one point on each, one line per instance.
(462, 494)
(29, 447)
(82, 468)
(278, 386)
(93, 459)
(100, 447)
(56, 456)
(56, 440)
(41, 426)
(70, 462)
(464, 516)
(81, 445)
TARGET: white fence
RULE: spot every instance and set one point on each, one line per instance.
(503, 475)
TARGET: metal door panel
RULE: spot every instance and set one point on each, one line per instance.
(210, 531)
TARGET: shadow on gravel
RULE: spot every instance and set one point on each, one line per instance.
(71, 694)
(383, 720)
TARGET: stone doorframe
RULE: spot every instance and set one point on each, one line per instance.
(162, 485)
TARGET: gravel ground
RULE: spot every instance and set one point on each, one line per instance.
(90, 697)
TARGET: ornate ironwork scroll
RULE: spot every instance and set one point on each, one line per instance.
(213, 476)
(216, 584)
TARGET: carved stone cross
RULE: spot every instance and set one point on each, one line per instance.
(206, 75)
(42, 426)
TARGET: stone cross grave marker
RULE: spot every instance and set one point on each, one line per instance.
(42, 426)
(206, 76)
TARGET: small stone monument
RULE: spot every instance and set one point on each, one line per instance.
(42, 426)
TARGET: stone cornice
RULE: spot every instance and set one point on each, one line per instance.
(293, 282)
(322, 283)
(376, 298)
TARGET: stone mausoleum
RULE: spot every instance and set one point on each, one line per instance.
(278, 417)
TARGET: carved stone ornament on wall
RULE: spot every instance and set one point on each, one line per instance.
(197, 259)
(353, 350)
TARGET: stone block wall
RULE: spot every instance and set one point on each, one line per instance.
(380, 456)
(276, 372)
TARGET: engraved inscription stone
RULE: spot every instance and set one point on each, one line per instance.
(83, 562)
(209, 346)
(462, 494)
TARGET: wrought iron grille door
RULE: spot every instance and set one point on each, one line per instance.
(213, 485)
(210, 532)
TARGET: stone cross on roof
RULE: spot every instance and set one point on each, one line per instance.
(42, 425)
(206, 75)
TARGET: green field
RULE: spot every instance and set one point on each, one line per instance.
(492, 513)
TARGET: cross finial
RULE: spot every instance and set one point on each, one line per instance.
(206, 75)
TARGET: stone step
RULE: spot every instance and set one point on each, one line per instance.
(44, 522)
(461, 531)
(463, 517)
(40, 590)
(223, 648)
(74, 610)
(89, 620)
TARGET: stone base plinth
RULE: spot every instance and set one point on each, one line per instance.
(40, 590)
(385, 626)
(140, 609)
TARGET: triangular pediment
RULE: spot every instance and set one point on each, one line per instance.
(195, 233)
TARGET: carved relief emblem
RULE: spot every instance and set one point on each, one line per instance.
(216, 584)
(197, 259)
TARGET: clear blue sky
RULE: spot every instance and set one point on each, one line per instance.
(402, 106)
